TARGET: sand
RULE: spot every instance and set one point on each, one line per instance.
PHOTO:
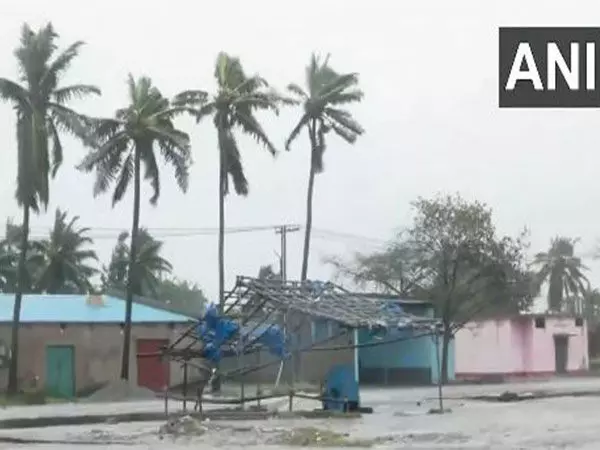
(121, 390)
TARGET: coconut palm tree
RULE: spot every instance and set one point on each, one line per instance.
(150, 266)
(232, 108)
(64, 259)
(8, 259)
(121, 145)
(11, 246)
(562, 270)
(326, 91)
(40, 104)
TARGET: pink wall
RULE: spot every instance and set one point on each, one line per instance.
(515, 346)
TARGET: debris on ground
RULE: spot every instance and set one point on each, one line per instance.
(121, 391)
(439, 411)
(298, 404)
(314, 437)
(182, 426)
(508, 396)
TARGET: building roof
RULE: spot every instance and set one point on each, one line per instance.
(322, 300)
(36, 308)
(392, 298)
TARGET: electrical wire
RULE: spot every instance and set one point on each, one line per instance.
(101, 233)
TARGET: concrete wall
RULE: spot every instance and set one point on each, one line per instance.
(98, 350)
(515, 346)
(404, 356)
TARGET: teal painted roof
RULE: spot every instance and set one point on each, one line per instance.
(81, 309)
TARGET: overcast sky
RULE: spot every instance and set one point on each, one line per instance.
(429, 71)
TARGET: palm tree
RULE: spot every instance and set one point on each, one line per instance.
(232, 107)
(41, 110)
(562, 270)
(326, 92)
(8, 260)
(150, 266)
(12, 250)
(120, 146)
(64, 259)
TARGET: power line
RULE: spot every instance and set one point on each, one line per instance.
(100, 233)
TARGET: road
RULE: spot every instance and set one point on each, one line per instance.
(400, 416)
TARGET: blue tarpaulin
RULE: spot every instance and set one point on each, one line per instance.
(215, 331)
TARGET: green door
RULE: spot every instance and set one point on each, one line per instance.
(60, 371)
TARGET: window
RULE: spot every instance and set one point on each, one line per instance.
(320, 330)
(578, 322)
(334, 328)
(540, 322)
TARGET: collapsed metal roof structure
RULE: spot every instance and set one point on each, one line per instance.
(254, 307)
(255, 317)
(321, 300)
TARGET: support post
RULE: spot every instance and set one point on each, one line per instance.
(166, 390)
(356, 353)
(185, 385)
(439, 370)
(239, 365)
(258, 388)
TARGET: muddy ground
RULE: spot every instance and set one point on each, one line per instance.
(400, 420)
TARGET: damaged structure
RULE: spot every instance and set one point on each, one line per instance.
(268, 333)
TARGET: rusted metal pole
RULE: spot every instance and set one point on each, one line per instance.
(185, 385)
(258, 389)
(242, 384)
(166, 389)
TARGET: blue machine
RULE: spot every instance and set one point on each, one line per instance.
(341, 391)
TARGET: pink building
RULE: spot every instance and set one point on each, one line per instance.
(525, 345)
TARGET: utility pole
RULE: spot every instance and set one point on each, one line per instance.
(283, 230)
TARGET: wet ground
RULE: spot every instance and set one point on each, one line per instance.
(400, 420)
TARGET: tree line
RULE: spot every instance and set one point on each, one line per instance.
(143, 130)
(65, 262)
(453, 255)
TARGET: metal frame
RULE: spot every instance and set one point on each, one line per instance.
(254, 302)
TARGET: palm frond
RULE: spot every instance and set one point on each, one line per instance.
(151, 174)
(61, 64)
(57, 149)
(337, 85)
(297, 90)
(18, 95)
(252, 127)
(194, 98)
(178, 157)
(303, 122)
(126, 173)
(233, 164)
(345, 97)
(76, 91)
(116, 143)
(344, 119)
(71, 122)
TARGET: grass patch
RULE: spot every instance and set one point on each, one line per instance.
(314, 437)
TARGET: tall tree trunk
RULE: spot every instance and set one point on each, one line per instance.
(222, 184)
(309, 200)
(132, 273)
(555, 293)
(13, 383)
(216, 383)
(447, 336)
